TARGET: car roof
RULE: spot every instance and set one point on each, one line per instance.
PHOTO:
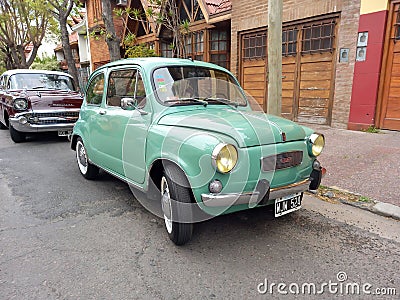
(153, 62)
(31, 71)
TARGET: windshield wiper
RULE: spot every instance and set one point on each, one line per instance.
(37, 87)
(222, 100)
(183, 100)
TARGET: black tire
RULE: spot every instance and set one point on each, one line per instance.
(2, 126)
(175, 191)
(88, 170)
(17, 136)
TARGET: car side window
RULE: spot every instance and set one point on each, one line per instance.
(94, 93)
(126, 83)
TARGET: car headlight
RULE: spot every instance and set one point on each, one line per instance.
(317, 143)
(20, 104)
(224, 157)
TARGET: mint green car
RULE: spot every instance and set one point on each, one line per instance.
(184, 134)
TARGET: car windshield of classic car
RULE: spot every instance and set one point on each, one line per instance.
(186, 85)
(32, 81)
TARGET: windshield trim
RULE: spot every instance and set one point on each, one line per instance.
(196, 66)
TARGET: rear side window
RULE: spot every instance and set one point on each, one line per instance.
(94, 93)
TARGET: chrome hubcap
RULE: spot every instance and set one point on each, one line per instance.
(81, 157)
(166, 204)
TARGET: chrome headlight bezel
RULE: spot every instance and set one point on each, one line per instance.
(20, 104)
(219, 153)
(317, 144)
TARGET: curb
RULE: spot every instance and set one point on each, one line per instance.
(379, 208)
(376, 207)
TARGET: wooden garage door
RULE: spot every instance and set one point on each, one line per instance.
(253, 66)
(316, 82)
(307, 70)
(390, 112)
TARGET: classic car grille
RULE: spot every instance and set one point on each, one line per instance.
(281, 161)
(64, 117)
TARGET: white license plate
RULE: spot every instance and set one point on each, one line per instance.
(64, 132)
(288, 204)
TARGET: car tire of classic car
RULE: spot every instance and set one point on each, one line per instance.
(176, 204)
(88, 170)
(2, 126)
(17, 136)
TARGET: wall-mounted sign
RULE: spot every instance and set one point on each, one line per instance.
(362, 39)
(344, 55)
(361, 54)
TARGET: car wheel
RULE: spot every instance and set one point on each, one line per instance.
(88, 170)
(17, 136)
(176, 205)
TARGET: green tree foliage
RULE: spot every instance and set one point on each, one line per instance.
(159, 14)
(46, 63)
(23, 23)
(141, 50)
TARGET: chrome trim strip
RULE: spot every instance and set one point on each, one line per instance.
(226, 200)
(39, 128)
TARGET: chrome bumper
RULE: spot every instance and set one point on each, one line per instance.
(255, 197)
(27, 127)
(21, 122)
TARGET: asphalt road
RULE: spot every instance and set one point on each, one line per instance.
(63, 237)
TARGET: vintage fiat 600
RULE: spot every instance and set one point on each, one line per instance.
(184, 134)
(34, 101)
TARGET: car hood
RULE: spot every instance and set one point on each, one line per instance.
(248, 128)
(49, 99)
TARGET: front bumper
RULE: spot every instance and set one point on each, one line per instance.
(45, 121)
(262, 193)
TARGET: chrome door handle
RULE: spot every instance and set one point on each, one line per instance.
(102, 112)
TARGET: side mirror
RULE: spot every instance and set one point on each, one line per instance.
(128, 103)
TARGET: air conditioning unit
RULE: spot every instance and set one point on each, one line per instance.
(122, 2)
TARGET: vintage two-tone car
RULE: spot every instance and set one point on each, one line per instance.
(38, 101)
(184, 133)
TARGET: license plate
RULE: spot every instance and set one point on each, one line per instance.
(287, 204)
(64, 132)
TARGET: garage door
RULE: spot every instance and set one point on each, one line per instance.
(253, 66)
(390, 111)
(307, 68)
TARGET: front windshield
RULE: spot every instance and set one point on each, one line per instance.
(189, 85)
(41, 81)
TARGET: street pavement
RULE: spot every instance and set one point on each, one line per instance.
(64, 237)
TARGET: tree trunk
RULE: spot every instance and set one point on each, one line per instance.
(113, 41)
(67, 51)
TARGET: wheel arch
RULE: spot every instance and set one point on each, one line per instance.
(156, 172)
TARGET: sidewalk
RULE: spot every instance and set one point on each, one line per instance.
(364, 163)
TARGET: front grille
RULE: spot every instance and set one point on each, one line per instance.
(62, 117)
(281, 161)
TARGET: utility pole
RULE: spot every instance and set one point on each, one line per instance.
(274, 105)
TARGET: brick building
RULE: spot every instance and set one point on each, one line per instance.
(340, 57)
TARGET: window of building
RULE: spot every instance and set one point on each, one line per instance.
(289, 41)
(397, 26)
(254, 45)
(194, 45)
(318, 37)
(198, 43)
(166, 50)
(219, 48)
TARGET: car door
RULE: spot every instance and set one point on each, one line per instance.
(122, 138)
